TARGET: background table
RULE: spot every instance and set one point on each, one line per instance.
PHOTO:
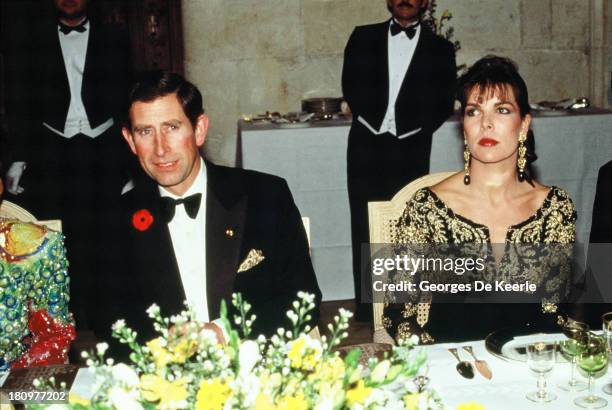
(571, 149)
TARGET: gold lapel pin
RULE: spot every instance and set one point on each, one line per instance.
(229, 232)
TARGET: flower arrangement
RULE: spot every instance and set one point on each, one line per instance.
(186, 368)
(440, 25)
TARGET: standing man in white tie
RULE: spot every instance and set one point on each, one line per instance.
(398, 78)
(63, 154)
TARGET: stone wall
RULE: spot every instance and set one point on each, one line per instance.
(249, 56)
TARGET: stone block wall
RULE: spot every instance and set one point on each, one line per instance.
(249, 56)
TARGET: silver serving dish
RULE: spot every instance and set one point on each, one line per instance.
(322, 108)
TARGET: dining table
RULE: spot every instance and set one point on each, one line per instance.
(506, 390)
(510, 383)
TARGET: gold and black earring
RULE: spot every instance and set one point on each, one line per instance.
(466, 159)
(522, 156)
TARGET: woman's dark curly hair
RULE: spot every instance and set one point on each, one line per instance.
(493, 75)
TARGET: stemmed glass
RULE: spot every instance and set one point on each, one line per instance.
(577, 333)
(606, 320)
(592, 359)
(541, 360)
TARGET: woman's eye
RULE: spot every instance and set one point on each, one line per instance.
(503, 110)
(470, 112)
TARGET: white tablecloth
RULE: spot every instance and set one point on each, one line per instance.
(506, 390)
(571, 149)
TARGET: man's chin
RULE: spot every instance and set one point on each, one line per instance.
(71, 16)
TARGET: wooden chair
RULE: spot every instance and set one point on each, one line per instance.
(380, 214)
(10, 210)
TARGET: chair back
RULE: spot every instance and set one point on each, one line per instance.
(10, 210)
(380, 216)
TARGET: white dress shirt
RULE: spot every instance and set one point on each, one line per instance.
(189, 243)
(74, 51)
(400, 53)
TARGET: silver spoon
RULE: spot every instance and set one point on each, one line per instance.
(464, 368)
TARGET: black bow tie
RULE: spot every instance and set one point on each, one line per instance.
(67, 29)
(191, 203)
(410, 30)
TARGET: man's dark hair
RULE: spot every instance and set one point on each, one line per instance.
(151, 85)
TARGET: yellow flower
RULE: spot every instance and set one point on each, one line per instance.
(161, 355)
(264, 402)
(358, 394)
(171, 395)
(75, 399)
(212, 395)
(304, 354)
(470, 406)
(412, 401)
(184, 350)
(330, 370)
(293, 403)
(295, 353)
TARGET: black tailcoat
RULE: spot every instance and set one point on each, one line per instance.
(72, 179)
(380, 165)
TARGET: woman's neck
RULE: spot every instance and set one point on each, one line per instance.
(494, 182)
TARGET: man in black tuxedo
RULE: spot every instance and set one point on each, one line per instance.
(63, 151)
(398, 79)
(598, 292)
(191, 230)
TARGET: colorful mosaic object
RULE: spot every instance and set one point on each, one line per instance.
(33, 290)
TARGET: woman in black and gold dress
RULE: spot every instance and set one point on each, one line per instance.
(495, 200)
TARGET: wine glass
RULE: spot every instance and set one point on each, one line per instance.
(592, 359)
(541, 359)
(606, 320)
(577, 333)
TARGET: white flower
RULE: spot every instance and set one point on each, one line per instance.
(380, 371)
(58, 407)
(326, 404)
(118, 325)
(248, 385)
(122, 400)
(123, 373)
(153, 310)
(101, 348)
(248, 356)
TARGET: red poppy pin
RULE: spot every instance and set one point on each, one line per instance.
(142, 220)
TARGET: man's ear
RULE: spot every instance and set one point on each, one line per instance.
(201, 130)
(129, 138)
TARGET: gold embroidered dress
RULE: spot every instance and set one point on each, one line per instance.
(427, 220)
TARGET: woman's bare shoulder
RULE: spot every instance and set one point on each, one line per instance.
(449, 188)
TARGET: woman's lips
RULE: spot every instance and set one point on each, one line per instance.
(487, 142)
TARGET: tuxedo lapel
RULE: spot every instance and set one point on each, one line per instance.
(154, 254)
(54, 80)
(382, 39)
(90, 60)
(225, 221)
(418, 62)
